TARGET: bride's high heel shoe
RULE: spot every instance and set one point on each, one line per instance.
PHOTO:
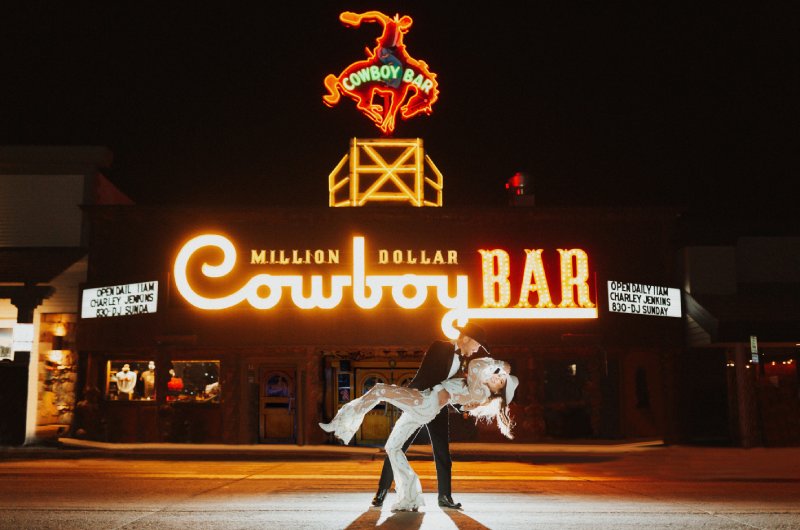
(339, 430)
(348, 419)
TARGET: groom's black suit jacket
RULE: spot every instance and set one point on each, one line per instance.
(435, 366)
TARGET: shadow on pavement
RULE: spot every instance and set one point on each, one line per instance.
(396, 521)
(464, 521)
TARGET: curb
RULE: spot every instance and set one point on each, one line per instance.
(74, 448)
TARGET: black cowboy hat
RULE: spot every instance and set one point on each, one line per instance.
(475, 332)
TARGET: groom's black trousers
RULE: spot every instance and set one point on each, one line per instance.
(439, 433)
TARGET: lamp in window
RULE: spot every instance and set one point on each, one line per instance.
(59, 332)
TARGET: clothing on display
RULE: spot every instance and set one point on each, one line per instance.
(126, 381)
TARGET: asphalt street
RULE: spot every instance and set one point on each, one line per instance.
(664, 487)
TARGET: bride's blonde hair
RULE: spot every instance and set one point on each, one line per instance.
(495, 409)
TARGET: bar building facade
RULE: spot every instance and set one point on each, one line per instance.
(260, 368)
(248, 375)
(43, 262)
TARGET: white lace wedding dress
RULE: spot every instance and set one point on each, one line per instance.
(419, 407)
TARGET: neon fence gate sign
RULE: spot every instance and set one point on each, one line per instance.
(409, 291)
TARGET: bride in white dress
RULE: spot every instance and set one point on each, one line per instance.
(485, 394)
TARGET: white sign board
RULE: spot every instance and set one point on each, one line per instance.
(22, 337)
(640, 299)
(120, 300)
(753, 344)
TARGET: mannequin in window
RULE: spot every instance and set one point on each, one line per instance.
(211, 392)
(149, 380)
(126, 382)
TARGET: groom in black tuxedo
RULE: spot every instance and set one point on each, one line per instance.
(442, 361)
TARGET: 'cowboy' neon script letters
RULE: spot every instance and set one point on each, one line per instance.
(409, 291)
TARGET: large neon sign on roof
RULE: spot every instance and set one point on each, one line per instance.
(409, 291)
(388, 72)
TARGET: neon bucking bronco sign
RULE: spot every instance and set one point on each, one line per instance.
(381, 84)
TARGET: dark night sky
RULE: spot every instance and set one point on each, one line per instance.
(602, 103)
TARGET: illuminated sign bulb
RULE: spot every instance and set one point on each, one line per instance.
(534, 269)
(496, 269)
(574, 276)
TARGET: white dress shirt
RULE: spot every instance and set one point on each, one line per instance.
(456, 366)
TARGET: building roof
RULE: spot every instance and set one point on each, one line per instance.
(770, 311)
(36, 265)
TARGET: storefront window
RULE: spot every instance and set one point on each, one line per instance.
(278, 386)
(5, 344)
(194, 381)
(564, 381)
(131, 380)
(344, 388)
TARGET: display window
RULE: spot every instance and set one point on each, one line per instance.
(194, 381)
(345, 383)
(5, 344)
(277, 386)
(131, 380)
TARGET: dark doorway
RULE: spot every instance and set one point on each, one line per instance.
(14, 399)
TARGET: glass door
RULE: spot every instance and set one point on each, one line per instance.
(277, 411)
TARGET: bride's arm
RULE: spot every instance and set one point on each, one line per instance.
(444, 397)
(477, 391)
(475, 371)
(479, 370)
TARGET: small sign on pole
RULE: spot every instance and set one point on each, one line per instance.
(753, 349)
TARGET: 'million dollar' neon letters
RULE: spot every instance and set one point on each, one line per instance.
(368, 289)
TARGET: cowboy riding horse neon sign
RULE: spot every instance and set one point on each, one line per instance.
(389, 71)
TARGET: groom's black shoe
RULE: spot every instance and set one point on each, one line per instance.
(378, 499)
(446, 501)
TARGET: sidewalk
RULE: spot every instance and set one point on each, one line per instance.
(638, 461)
(71, 447)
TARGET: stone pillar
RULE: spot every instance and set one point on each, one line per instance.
(15, 376)
(746, 397)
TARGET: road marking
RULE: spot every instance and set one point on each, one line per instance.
(481, 478)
